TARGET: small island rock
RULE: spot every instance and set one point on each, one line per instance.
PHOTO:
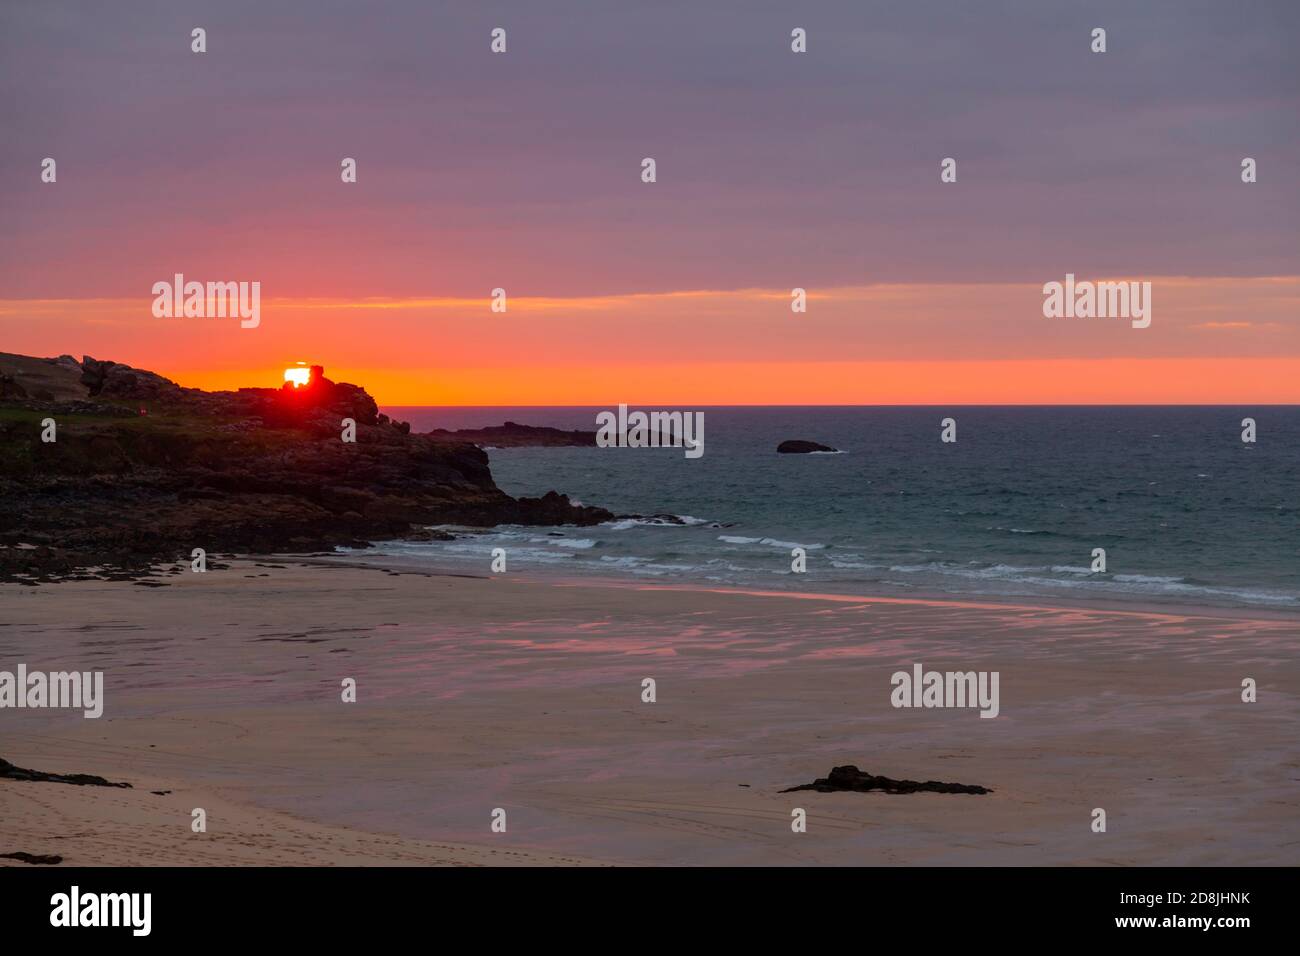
(797, 446)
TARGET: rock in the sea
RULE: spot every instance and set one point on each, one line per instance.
(851, 778)
(555, 508)
(428, 534)
(514, 435)
(796, 446)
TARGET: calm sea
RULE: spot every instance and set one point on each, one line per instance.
(1186, 512)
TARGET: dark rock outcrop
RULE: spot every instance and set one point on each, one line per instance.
(796, 446)
(45, 380)
(428, 534)
(115, 380)
(514, 435)
(662, 519)
(851, 778)
(45, 859)
(10, 387)
(9, 772)
(149, 470)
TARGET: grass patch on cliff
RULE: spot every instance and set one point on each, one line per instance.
(23, 416)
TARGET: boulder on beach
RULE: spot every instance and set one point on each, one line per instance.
(9, 772)
(796, 446)
(850, 778)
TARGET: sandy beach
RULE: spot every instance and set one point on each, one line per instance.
(525, 694)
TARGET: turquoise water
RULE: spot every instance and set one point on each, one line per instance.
(1186, 512)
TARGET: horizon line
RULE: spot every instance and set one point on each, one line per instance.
(697, 405)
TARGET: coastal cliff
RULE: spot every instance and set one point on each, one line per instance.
(141, 471)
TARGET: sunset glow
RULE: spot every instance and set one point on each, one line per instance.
(299, 375)
(1216, 340)
(579, 434)
(679, 291)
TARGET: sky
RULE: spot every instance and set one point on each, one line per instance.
(775, 170)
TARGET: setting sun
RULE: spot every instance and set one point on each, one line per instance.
(299, 375)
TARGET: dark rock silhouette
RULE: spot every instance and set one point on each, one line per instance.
(10, 387)
(42, 379)
(148, 470)
(9, 772)
(115, 380)
(796, 446)
(851, 778)
(514, 435)
(48, 860)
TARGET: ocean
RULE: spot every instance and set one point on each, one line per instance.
(1187, 513)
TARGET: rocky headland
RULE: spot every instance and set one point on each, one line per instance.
(142, 471)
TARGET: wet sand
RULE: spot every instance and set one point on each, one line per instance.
(478, 693)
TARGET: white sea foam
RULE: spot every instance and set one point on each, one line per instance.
(623, 561)
(770, 542)
(626, 524)
(577, 543)
(855, 565)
